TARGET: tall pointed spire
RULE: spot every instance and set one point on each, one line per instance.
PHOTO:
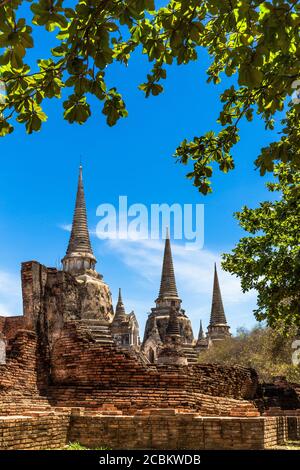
(80, 239)
(168, 284)
(120, 309)
(217, 315)
(202, 342)
(79, 254)
(120, 300)
(201, 332)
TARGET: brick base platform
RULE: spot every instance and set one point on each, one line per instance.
(148, 429)
(101, 395)
(36, 432)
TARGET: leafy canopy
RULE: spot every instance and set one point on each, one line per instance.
(269, 259)
(256, 41)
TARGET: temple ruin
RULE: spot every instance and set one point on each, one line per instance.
(73, 368)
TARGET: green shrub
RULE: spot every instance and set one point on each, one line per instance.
(265, 350)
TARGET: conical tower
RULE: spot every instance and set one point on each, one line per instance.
(217, 328)
(168, 291)
(217, 315)
(120, 314)
(125, 327)
(201, 332)
(202, 342)
(167, 300)
(79, 256)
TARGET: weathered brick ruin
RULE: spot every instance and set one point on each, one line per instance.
(65, 376)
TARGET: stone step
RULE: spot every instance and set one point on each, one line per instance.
(104, 340)
(95, 327)
(94, 322)
(102, 336)
(99, 329)
(99, 332)
(191, 355)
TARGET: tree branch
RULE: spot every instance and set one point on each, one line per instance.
(4, 2)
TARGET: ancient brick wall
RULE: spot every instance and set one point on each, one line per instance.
(34, 432)
(34, 277)
(76, 359)
(2, 323)
(52, 296)
(89, 373)
(20, 377)
(280, 395)
(168, 430)
(218, 380)
(93, 374)
(276, 430)
(294, 428)
(156, 429)
(12, 325)
(49, 296)
(19, 372)
(130, 400)
(233, 423)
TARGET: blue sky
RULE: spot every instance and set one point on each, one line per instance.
(39, 175)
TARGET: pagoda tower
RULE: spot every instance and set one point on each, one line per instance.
(217, 328)
(120, 314)
(125, 327)
(168, 295)
(79, 261)
(79, 256)
(167, 300)
(202, 342)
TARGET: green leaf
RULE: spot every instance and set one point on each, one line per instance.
(5, 128)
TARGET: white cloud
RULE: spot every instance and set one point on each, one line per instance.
(194, 269)
(66, 227)
(10, 294)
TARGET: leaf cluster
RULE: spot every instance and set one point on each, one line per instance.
(268, 260)
(256, 42)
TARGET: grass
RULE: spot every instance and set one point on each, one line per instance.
(288, 445)
(78, 446)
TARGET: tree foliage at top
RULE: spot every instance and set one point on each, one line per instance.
(256, 41)
(268, 260)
